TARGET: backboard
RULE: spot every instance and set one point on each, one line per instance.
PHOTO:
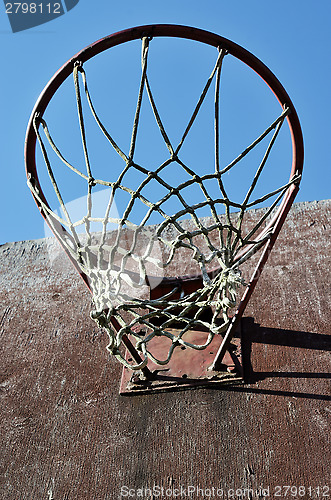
(66, 432)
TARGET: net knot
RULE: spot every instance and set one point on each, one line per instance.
(78, 65)
(231, 279)
(37, 117)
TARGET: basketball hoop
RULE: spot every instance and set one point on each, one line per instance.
(142, 303)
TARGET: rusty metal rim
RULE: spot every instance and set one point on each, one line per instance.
(177, 31)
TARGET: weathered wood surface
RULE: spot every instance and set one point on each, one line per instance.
(67, 434)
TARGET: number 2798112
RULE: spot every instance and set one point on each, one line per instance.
(33, 8)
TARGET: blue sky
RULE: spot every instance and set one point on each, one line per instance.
(291, 37)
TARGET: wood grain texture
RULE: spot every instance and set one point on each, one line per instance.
(67, 434)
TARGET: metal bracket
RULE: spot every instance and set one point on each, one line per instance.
(187, 367)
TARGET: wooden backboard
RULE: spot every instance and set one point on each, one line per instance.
(66, 432)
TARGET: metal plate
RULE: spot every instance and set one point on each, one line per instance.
(186, 368)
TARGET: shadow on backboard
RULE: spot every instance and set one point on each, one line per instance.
(253, 333)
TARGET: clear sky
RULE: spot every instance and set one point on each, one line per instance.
(291, 36)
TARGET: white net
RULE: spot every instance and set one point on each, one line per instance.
(124, 265)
